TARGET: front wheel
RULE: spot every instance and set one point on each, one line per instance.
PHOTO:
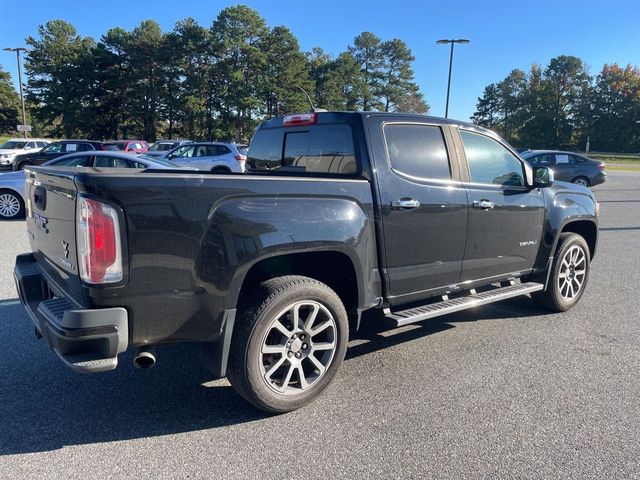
(288, 344)
(569, 274)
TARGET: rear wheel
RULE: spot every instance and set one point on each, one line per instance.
(11, 205)
(569, 274)
(220, 170)
(289, 343)
(584, 181)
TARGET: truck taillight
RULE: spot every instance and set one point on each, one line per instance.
(98, 242)
(300, 119)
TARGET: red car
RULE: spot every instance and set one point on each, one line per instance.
(132, 146)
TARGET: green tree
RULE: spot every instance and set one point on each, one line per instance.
(114, 113)
(367, 52)
(397, 86)
(502, 107)
(146, 54)
(568, 84)
(187, 69)
(337, 82)
(57, 66)
(616, 109)
(238, 34)
(286, 71)
(9, 104)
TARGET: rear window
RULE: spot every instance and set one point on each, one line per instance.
(417, 150)
(317, 150)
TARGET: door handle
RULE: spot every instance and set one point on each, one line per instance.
(405, 204)
(483, 204)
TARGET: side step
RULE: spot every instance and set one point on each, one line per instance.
(432, 310)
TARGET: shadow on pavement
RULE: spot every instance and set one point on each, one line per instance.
(44, 406)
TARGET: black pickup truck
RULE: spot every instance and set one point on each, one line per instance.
(403, 217)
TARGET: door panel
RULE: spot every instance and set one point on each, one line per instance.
(424, 219)
(505, 216)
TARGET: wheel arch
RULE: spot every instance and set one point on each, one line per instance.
(587, 229)
(334, 268)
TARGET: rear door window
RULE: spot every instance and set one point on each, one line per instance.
(417, 150)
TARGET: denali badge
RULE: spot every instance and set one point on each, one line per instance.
(530, 242)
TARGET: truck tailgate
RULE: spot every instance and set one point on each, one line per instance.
(50, 197)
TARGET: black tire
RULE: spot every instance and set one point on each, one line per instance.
(553, 298)
(582, 181)
(11, 205)
(220, 170)
(21, 165)
(273, 300)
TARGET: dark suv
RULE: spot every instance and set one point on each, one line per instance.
(568, 166)
(54, 150)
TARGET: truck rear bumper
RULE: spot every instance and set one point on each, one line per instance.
(86, 340)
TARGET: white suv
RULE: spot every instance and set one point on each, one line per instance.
(215, 156)
(18, 146)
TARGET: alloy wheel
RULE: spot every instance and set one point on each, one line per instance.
(573, 270)
(9, 205)
(298, 347)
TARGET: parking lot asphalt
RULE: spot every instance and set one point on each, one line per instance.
(504, 391)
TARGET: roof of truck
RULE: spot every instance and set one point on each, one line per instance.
(336, 116)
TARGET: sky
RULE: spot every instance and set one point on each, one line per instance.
(504, 35)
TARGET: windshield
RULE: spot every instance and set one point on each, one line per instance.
(13, 145)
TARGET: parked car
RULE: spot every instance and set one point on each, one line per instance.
(162, 147)
(568, 166)
(402, 217)
(17, 146)
(215, 156)
(12, 183)
(131, 146)
(54, 150)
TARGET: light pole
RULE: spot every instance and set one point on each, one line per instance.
(452, 42)
(24, 113)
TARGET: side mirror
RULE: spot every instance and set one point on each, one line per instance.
(542, 177)
(27, 147)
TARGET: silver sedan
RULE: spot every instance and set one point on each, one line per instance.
(12, 184)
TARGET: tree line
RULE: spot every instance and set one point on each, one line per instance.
(197, 82)
(562, 106)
